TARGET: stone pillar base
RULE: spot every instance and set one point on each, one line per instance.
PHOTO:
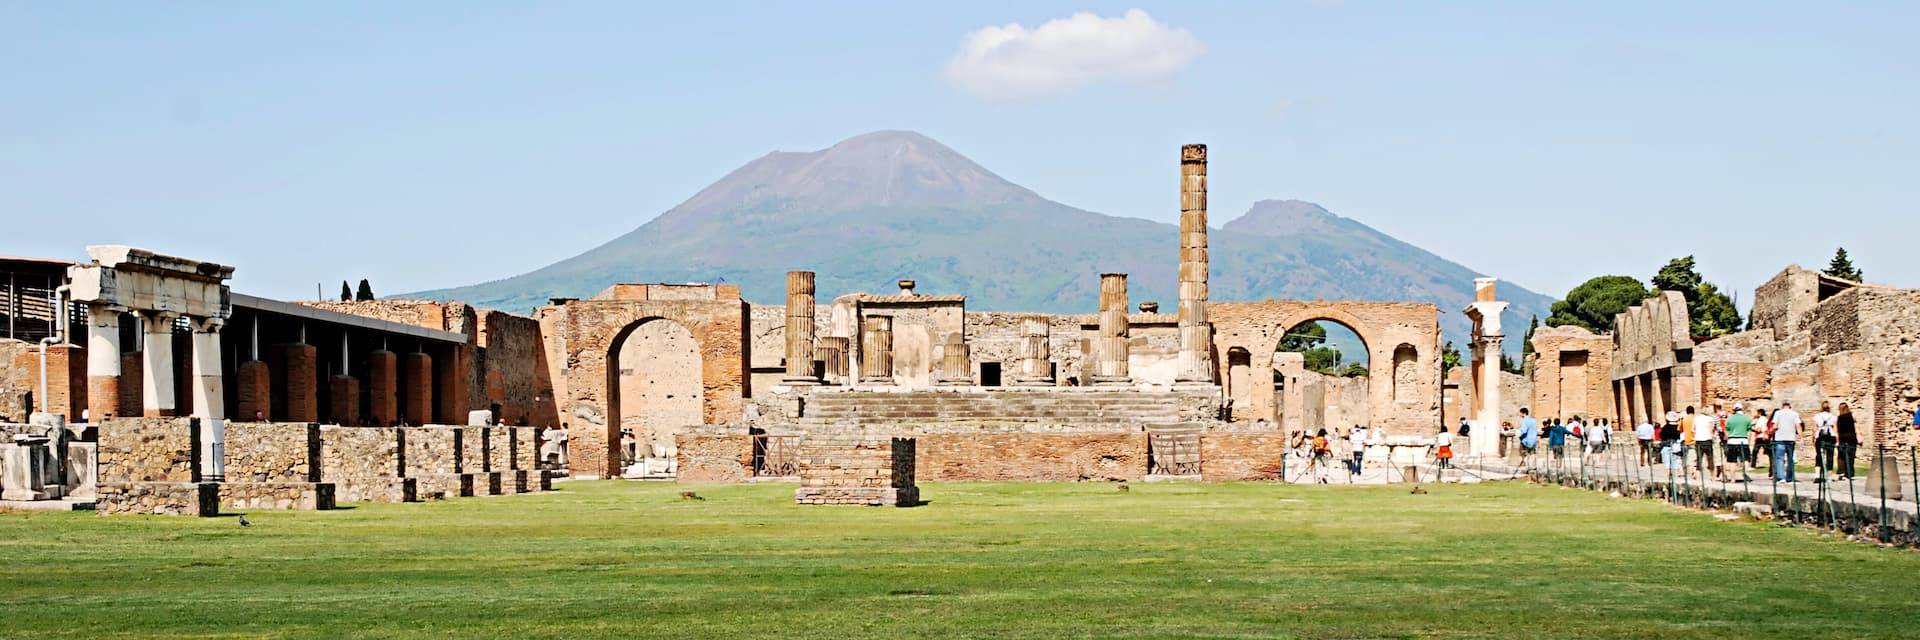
(444, 485)
(301, 496)
(377, 490)
(800, 382)
(159, 498)
(1889, 469)
(869, 496)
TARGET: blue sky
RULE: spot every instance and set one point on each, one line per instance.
(436, 144)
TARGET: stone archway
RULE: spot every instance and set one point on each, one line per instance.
(1402, 349)
(654, 390)
(1312, 383)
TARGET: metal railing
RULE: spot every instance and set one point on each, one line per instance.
(1174, 454)
(776, 456)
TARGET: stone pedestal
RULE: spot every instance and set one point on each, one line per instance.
(876, 351)
(28, 464)
(1111, 347)
(857, 469)
(800, 329)
(1885, 471)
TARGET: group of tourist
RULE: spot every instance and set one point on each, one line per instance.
(1719, 441)
(1594, 437)
(1320, 448)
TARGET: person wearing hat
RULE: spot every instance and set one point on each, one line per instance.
(1670, 433)
(1739, 426)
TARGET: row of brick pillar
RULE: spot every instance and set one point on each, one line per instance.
(400, 388)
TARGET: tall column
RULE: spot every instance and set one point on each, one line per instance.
(103, 361)
(1487, 343)
(1196, 334)
(956, 368)
(832, 354)
(210, 396)
(1111, 348)
(383, 369)
(800, 329)
(1036, 366)
(156, 366)
(876, 350)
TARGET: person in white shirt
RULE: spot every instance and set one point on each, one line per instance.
(1357, 440)
(1443, 448)
(1602, 435)
(1705, 432)
(1643, 432)
(1825, 439)
(1786, 431)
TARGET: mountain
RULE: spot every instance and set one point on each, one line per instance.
(892, 204)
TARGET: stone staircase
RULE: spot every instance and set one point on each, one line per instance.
(1113, 408)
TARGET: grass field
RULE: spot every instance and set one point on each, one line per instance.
(614, 559)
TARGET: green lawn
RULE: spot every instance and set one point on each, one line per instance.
(622, 559)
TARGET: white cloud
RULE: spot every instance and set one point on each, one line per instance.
(1013, 62)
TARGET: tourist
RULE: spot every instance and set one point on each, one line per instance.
(1357, 439)
(1738, 428)
(1643, 433)
(1705, 432)
(1529, 434)
(1602, 436)
(1785, 431)
(1670, 434)
(1557, 439)
(1848, 435)
(1824, 439)
(1916, 415)
(1762, 439)
(1322, 455)
(1443, 448)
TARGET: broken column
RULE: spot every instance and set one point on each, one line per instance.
(416, 396)
(1036, 366)
(103, 361)
(303, 382)
(209, 394)
(832, 354)
(1111, 349)
(800, 329)
(956, 367)
(383, 369)
(876, 350)
(156, 369)
(1196, 334)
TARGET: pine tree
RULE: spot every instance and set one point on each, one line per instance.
(346, 293)
(366, 291)
(1526, 344)
(1842, 267)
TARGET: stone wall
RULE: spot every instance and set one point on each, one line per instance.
(152, 466)
(853, 469)
(66, 364)
(1241, 456)
(1032, 457)
(703, 458)
(364, 463)
(1571, 372)
(512, 360)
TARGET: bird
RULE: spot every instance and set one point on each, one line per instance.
(1124, 488)
(689, 495)
(243, 521)
(1418, 491)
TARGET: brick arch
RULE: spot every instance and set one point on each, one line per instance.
(671, 368)
(591, 332)
(1383, 326)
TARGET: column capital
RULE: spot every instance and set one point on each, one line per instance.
(207, 325)
(96, 306)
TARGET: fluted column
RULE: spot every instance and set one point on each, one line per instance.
(876, 350)
(156, 366)
(1035, 354)
(1111, 348)
(800, 329)
(1196, 334)
(956, 367)
(103, 361)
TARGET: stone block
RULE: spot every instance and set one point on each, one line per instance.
(159, 498)
(857, 469)
(305, 496)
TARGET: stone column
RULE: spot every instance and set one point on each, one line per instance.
(156, 367)
(1196, 334)
(209, 388)
(383, 370)
(416, 401)
(132, 368)
(453, 377)
(800, 329)
(1111, 349)
(956, 368)
(876, 350)
(832, 354)
(1036, 354)
(253, 382)
(210, 396)
(1487, 343)
(103, 361)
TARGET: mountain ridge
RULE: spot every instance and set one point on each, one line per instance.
(890, 204)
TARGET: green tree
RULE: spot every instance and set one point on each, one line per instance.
(1594, 303)
(1526, 343)
(1323, 359)
(1449, 358)
(345, 292)
(1510, 365)
(1354, 370)
(1842, 267)
(365, 292)
(1712, 311)
(1303, 337)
